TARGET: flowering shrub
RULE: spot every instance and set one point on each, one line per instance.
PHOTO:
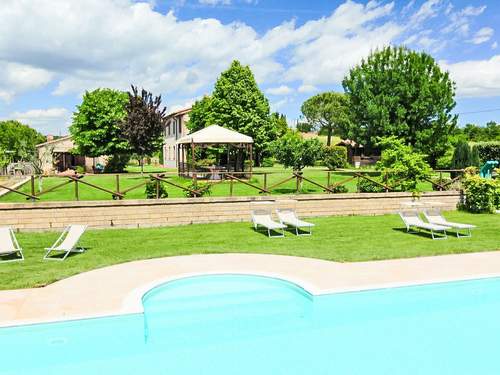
(481, 194)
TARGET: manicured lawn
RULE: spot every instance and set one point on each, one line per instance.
(108, 181)
(350, 238)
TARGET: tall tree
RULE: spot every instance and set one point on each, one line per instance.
(200, 115)
(328, 111)
(18, 140)
(96, 123)
(293, 151)
(238, 103)
(403, 93)
(144, 124)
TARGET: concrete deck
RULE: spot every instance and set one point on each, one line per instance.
(119, 289)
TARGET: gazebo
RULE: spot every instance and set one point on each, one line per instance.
(213, 135)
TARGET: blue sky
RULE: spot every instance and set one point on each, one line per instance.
(178, 48)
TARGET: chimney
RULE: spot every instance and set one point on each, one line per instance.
(50, 137)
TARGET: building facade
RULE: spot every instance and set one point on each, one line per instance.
(175, 128)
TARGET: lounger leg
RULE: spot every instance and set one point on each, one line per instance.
(459, 235)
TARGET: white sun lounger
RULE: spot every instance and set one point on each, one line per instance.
(289, 217)
(66, 243)
(263, 218)
(434, 216)
(9, 245)
(412, 220)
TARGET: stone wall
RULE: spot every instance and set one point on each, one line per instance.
(165, 212)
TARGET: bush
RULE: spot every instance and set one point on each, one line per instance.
(340, 189)
(488, 151)
(208, 162)
(204, 188)
(116, 163)
(481, 194)
(293, 151)
(462, 156)
(267, 162)
(335, 157)
(79, 169)
(151, 190)
(367, 186)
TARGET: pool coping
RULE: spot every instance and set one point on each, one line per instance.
(119, 289)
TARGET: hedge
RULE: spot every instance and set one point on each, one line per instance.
(488, 150)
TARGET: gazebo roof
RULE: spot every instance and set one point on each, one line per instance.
(215, 134)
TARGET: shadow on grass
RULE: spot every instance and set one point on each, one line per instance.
(9, 258)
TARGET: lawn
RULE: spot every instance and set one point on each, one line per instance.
(343, 239)
(108, 181)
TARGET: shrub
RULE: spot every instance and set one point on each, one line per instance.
(151, 187)
(367, 186)
(116, 163)
(481, 194)
(340, 189)
(462, 156)
(335, 157)
(204, 188)
(292, 150)
(79, 169)
(267, 162)
(488, 151)
(205, 162)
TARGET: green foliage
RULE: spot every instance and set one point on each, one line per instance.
(203, 189)
(340, 189)
(200, 115)
(305, 127)
(445, 161)
(4, 158)
(462, 156)
(151, 189)
(267, 162)
(18, 141)
(328, 112)
(96, 123)
(144, 123)
(367, 186)
(279, 124)
(402, 93)
(293, 151)
(79, 169)
(481, 194)
(488, 133)
(406, 166)
(487, 151)
(116, 163)
(334, 157)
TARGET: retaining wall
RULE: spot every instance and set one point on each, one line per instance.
(166, 212)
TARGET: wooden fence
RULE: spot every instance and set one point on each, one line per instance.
(195, 189)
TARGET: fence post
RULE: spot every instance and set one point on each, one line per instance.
(297, 187)
(265, 181)
(157, 189)
(118, 184)
(77, 193)
(328, 179)
(357, 184)
(231, 182)
(440, 180)
(386, 179)
(33, 187)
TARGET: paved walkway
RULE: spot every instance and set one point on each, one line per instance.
(118, 289)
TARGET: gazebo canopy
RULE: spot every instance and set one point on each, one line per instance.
(215, 134)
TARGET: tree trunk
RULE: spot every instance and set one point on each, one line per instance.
(329, 138)
(141, 161)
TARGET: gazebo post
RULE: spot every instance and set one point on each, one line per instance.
(192, 161)
(251, 160)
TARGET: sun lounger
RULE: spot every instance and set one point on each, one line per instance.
(9, 245)
(289, 217)
(412, 220)
(434, 216)
(263, 218)
(67, 242)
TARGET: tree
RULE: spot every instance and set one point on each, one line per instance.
(18, 140)
(144, 123)
(200, 115)
(293, 151)
(329, 112)
(402, 93)
(96, 123)
(405, 166)
(280, 124)
(237, 103)
(462, 156)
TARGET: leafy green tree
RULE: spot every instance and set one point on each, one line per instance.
(144, 124)
(405, 166)
(96, 123)
(488, 133)
(237, 103)
(402, 93)
(462, 156)
(200, 115)
(4, 158)
(280, 124)
(328, 112)
(18, 140)
(293, 151)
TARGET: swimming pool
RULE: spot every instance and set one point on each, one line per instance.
(235, 324)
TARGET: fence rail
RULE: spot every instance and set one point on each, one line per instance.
(259, 183)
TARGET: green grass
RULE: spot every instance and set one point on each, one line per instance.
(344, 239)
(108, 181)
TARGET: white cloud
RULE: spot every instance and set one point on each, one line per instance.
(494, 45)
(307, 89)
(483, 35)
(429, 9)
(459, 20)
(46, 121)
(17, 78)
(215, 2)
(280, 90)
(476, 77)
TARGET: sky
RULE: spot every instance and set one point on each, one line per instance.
(52, 51)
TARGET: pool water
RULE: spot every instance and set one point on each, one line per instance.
(235, 324)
